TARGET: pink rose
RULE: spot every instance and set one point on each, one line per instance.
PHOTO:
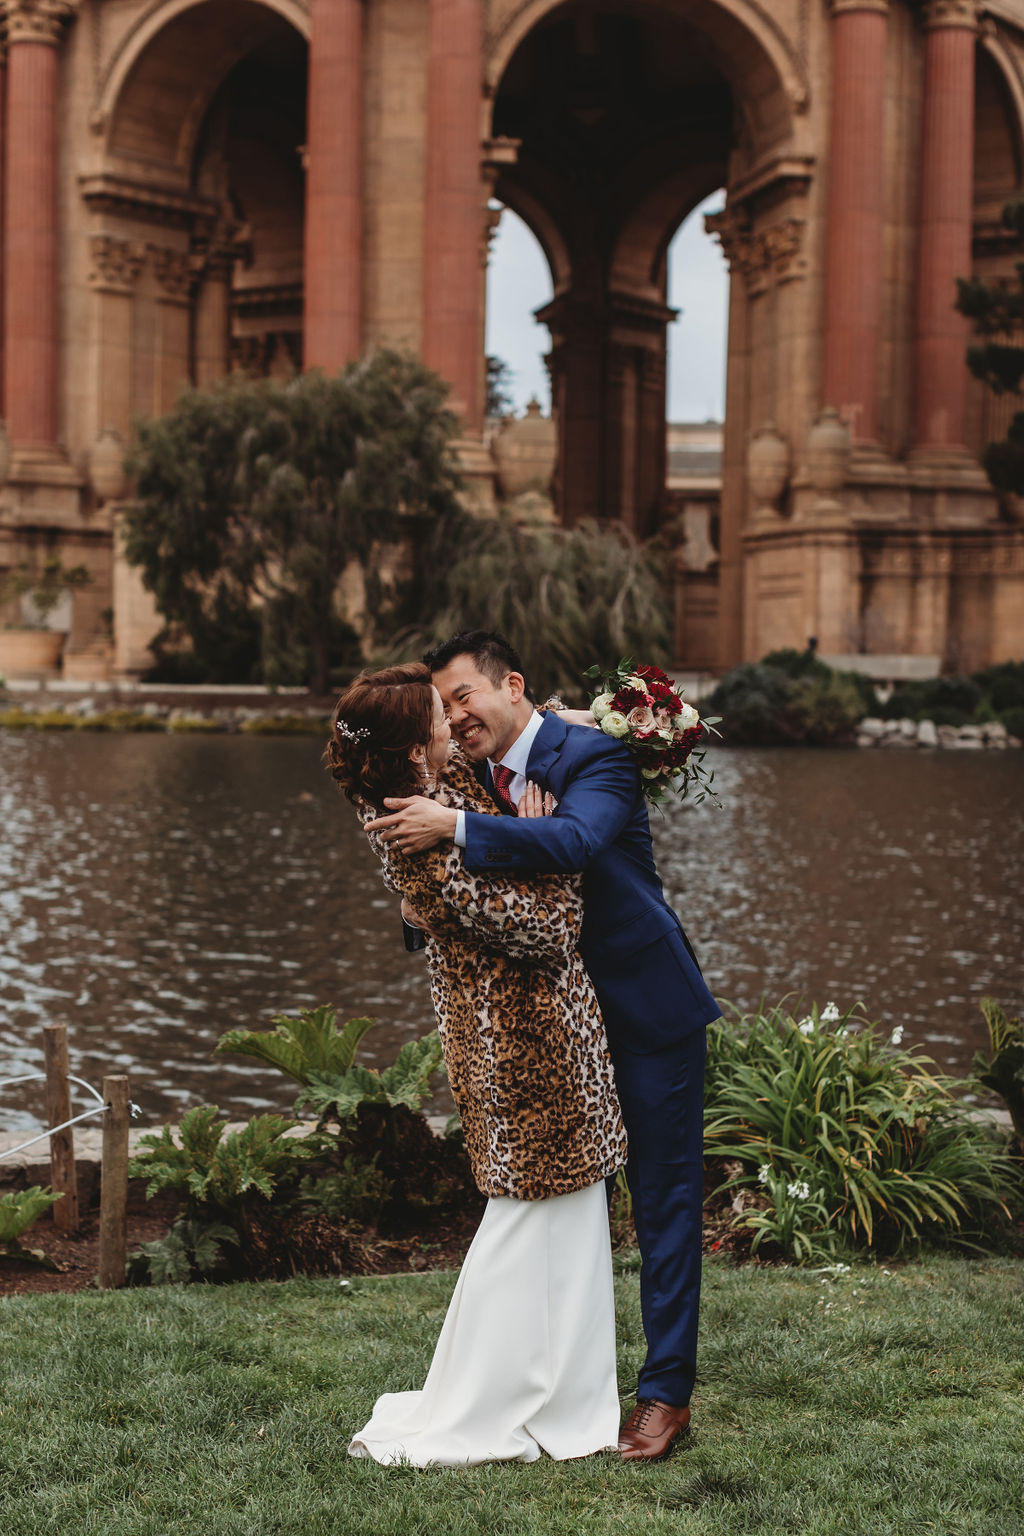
(641, 718)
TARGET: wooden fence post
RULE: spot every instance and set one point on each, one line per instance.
(58, 1109)
(114, 1183)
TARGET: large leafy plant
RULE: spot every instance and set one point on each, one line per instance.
(844, 1140)
(301, 1044)
(19, 1209)
(218, 1175)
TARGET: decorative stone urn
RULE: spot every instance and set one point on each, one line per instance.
(525, 452)
(826, 460)
(767, 471)
(106, 466)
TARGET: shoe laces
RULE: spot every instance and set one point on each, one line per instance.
(642, 1412)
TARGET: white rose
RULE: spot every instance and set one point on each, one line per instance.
(641, 718)
(651, 773)
(687, 718)
(601, 705)
(634, 681)
(615, 724)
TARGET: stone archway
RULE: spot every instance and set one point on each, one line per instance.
(624, 118)
(196, 201)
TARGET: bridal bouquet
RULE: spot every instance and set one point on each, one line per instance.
(640, 707)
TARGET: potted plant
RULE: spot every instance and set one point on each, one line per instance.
(31, 646)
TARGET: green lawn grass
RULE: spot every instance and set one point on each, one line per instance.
(868, 1402)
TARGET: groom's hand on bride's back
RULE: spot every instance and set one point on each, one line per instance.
(414, 824)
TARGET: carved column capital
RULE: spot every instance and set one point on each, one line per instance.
(841, 7)
(768, 257)
(175, 273)
(36, 21)
(950, 13)
(115, 263)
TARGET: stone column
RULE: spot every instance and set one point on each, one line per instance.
(454, 195)
(945, 227)
(334, 185)
(853, 251)
(30, 225)
(213, 317)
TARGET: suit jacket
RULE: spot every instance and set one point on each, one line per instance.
(644, 971)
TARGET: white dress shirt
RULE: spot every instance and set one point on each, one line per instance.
(516, 758)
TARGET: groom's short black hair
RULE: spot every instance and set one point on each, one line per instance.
(493, 655)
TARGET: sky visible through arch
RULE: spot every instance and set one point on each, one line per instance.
(518, 282)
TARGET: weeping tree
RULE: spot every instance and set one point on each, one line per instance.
(566, 598)
(997, 312)
(253, 496)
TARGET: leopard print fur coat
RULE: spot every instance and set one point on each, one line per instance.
(523, 1038)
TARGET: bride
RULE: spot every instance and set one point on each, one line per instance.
(525, 1362)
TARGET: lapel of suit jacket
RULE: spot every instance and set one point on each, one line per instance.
(547, 745)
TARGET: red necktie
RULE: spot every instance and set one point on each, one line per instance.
(502, 777)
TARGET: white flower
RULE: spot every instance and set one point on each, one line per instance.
(614, 723)
(641, 718)
(806, 1026)
(601, 705)
(829, 1014)
(635, 681)
(687, 718)
(897, 1035)
(764, 1174)
(650, 773)
(798, 1191)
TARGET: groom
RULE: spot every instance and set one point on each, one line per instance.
(651, 991)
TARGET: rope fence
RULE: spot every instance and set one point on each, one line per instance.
(115, 1107)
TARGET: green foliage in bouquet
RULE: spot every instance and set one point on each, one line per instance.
(19, 1209)
(301, 1044)
(845, 1141)
(1002, 1070)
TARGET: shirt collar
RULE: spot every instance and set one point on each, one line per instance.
(518, 754)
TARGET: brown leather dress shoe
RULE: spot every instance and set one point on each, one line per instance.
(651, 1430)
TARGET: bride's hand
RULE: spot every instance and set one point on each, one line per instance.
(535, 802)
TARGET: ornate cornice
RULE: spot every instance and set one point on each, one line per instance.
(764, 259)
(129, 199)
(36, 21)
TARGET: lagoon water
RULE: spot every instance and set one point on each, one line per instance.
(158, 890)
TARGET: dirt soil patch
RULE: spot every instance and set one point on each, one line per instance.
(312, 1244)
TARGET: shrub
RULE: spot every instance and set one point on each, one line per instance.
(300, 1044)
(846, 1141)
(566, 598)
(19, 1209)
(1002, 1070)
(1003, 685)
(945, 714)
(218, 1178)
(286, 725)
(753, 701)
(824, 709)
(1013, 719)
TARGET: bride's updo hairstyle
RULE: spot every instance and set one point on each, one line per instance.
(377, 720)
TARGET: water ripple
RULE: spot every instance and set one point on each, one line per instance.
(156, 891)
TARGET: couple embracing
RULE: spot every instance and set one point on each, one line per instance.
(572, 1014)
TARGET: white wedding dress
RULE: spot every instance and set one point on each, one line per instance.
(526, 1358)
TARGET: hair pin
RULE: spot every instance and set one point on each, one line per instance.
(351, 733)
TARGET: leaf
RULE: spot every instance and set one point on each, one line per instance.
(20, 1208)
(301, 1044)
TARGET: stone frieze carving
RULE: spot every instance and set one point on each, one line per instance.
(115, 264)
(36, 21)
(763, 258)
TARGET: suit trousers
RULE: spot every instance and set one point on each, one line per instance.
(662, 1097)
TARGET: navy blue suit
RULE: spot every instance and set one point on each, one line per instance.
(655, 1004)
